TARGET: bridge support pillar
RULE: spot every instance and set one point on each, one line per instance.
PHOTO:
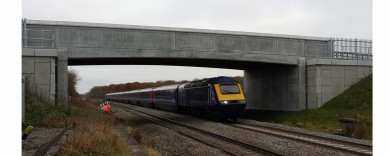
(276, 88)
(62, 77)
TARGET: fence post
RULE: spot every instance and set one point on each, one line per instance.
(24, 34)
(52, 40)
(356, 55)
(331, 48)
(23, 99)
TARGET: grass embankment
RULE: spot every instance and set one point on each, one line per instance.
(94, 132)
(355, 102)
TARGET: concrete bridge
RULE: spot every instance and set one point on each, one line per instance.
(281, 72)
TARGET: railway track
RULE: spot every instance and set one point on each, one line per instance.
(43, 149)
(226, 144)
(339, 145)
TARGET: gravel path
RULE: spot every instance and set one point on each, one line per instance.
(176, 144)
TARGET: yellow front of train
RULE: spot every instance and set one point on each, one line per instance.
(230, 100)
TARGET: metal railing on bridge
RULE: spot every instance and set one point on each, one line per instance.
(37, 38)
(342, 48)
(352, 49)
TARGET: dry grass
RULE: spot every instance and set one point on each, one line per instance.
(146, 146)
(152, 152)
(95, 133)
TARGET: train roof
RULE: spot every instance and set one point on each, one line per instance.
(213, 80)
(197, 83)
(114, 93)
(174, 86)
(145, 89)
(223, 80)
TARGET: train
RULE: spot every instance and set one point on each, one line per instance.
(218, 97)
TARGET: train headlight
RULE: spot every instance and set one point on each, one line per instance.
(224, 102)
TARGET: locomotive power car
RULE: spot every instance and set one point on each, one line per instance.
(218, 97)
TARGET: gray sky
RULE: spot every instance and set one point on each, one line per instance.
(321, 18)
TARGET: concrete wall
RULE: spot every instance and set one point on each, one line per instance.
(329, 78)
(39, 69)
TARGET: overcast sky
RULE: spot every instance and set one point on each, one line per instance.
(321, 18)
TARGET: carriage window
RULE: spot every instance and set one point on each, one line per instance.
(229, 89)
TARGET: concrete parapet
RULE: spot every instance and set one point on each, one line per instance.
(310, 62)
(28, 52)
(39, 52)
(364, 63)
(91, 40)
(168, 29)
(46, 52)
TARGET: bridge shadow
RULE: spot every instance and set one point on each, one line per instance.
(193, 62)
(261, 115)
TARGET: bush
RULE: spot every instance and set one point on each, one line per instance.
(95, 133)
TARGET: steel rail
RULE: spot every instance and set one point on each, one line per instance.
(43, 149)
(340, 145)
(244, 148)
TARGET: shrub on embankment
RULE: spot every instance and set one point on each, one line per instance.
(40, 111)
(355, 103)
(94, 132)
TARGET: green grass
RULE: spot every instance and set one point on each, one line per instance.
(355, 102)
(42, 114)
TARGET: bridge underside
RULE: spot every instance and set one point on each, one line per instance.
(210, 63)
(268, 86)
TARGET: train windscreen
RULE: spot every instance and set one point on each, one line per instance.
(229, 89)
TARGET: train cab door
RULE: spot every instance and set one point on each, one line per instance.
(212, 97)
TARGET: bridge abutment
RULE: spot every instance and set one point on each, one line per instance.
(45, 72)
(39, 72)
(290, 88)
(328, 78)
